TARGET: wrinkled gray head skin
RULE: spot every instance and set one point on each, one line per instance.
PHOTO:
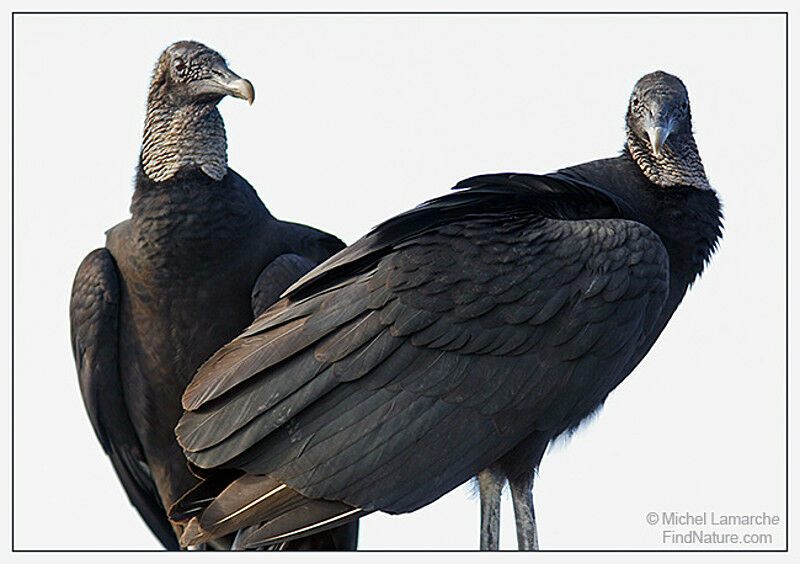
(189, 72)
(183, 127)
(659, 132)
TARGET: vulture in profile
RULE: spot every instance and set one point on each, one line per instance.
(198, 259)
(456, 339)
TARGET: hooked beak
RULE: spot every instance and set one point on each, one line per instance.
(242, 88)
(658, 136)
(224, 82)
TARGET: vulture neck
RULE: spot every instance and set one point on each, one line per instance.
(673, 166)
(183, 136)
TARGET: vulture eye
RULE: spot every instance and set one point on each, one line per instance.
(180, 66)
(635, 103)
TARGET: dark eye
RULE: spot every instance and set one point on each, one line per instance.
(684, 105)
(635, 103)
(180, 66)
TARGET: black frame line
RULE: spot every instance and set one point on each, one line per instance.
(414, 13)
(396, 13)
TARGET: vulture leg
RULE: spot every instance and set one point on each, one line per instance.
(491, 486)
(521, 495)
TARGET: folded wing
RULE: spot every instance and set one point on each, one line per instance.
(94, 315)
(422, 353)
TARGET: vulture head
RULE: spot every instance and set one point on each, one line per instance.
(188, 72)
(659, 132)
(658, 111)
(183, 128)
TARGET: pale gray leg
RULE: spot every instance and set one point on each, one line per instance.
(491, 486)
(527, 537)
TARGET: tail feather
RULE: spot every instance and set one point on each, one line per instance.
(314, 517)
(279, 513)
(194, 502)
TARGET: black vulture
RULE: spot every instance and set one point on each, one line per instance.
(199, 258)
(455, 339)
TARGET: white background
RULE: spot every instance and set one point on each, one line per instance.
(360, 117)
